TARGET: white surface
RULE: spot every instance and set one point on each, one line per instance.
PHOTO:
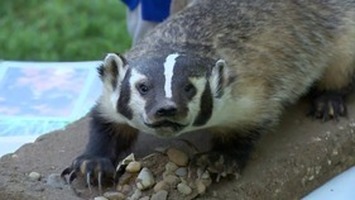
(342, 187)
(9, 144)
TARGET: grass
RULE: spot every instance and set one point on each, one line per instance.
(61, 30)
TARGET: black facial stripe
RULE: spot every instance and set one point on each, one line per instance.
(205, 107)
(124, 97)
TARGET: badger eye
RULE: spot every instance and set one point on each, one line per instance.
(189, 88)
(143, 88)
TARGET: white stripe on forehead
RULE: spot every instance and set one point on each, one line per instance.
(169, 65)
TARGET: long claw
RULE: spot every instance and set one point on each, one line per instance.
(99, 178)
(71, 177)
(66, 171)
(88, 181)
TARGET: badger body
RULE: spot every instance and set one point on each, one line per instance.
(229, 67)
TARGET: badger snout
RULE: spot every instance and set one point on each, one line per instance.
(163, 110)
(166, 110)
(165, 115)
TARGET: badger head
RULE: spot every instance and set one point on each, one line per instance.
(164, 96)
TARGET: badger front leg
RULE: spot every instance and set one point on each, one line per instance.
(229, 154)
(107, 141)
(328, 95)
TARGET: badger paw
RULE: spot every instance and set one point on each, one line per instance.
(216, 163)
(329, 105)
(92, 168)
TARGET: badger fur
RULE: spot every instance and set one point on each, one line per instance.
(229, 67)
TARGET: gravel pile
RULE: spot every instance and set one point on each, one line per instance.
(159, 176)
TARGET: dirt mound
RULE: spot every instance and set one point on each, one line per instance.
(297, 157)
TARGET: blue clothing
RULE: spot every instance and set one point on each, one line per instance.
(152, 10)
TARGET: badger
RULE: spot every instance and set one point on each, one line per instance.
(228, 67)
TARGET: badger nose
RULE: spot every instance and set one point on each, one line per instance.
(166, 111)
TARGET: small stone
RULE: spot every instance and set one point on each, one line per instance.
(125, 161)
(125, 189)
(206, 175)
(182, 171)
(56, 181)
(183, 180)
(184, 189)
(145, 198)
(136, 195)
(172, 180)
(161, 185)
(171, 167)
(14, 156)
(128, 159)
(206, 182)
(114, 195)
(34, 176)
(134, 167)
(201, 188)
(145, 179)
(166, 173)
(178, 157)
(125, 178)
(100, 198)
(160, 195)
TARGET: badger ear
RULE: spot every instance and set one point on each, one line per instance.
(113, 70)
(218, 78)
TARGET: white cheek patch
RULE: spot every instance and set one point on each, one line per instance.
(169, 65)
(108, 106)
(194, 104)
(199, 83)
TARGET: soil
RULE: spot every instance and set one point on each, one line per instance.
(289, 162)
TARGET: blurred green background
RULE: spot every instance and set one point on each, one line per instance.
(61, 30)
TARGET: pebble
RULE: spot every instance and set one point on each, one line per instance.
(201, 188)
(203, 174)
(126, 178)
(136, 195)
(145, 198)
(182, 171)
(14, 156)
(56, 181)
(145, 179)
(178, 157)
(184, 189)
(100, 198)
(161, 195)
(114, 195)
(161, 185)
(206, 182)
(125, 189)
(134, 167)
(34, 176)
(172, 180)
(166, 173)
(206, 175)
(128, 159)
(125, 161)
(171, 167)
